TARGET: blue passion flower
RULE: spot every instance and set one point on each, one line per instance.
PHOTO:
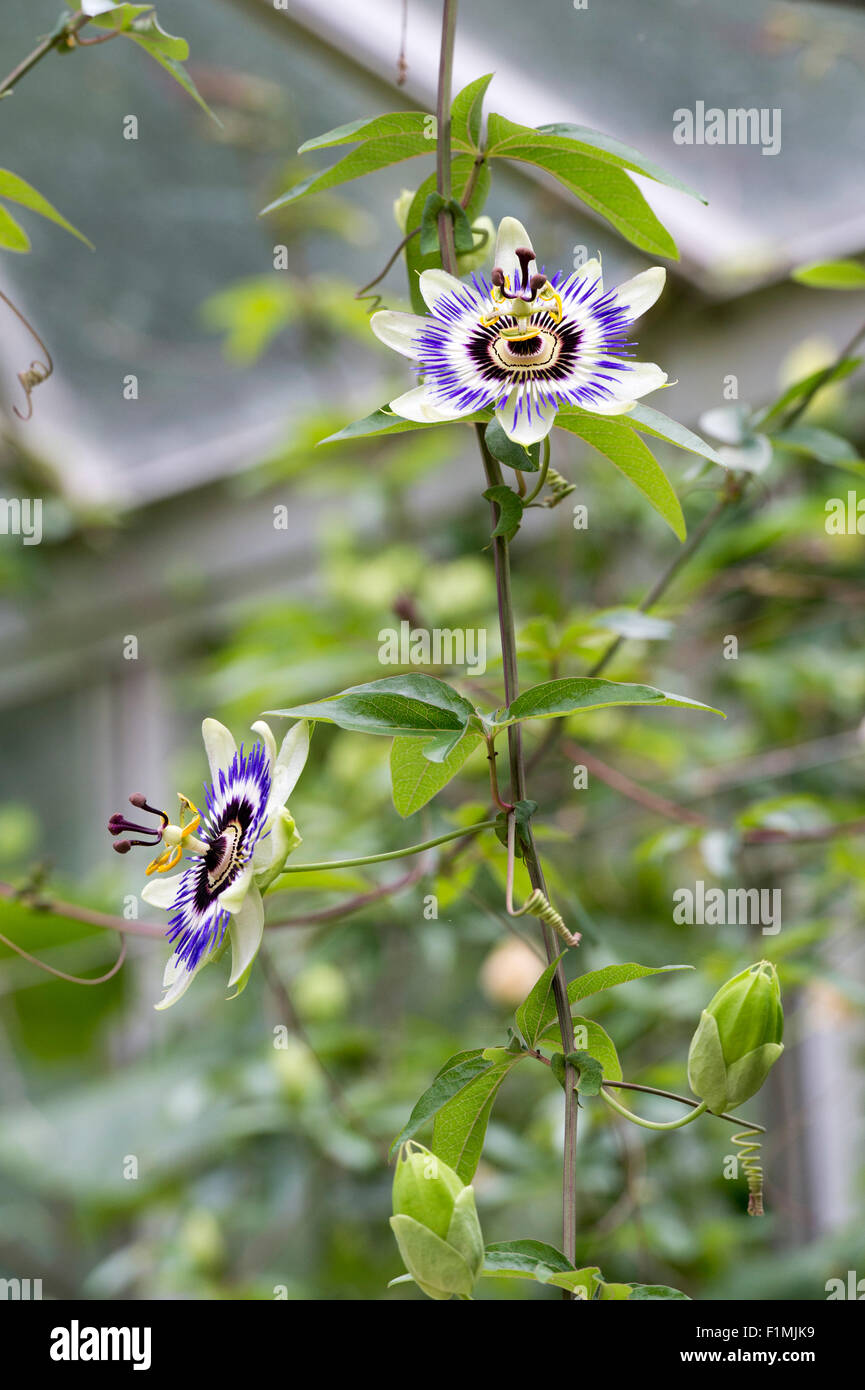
(235, 846)
(521, 343)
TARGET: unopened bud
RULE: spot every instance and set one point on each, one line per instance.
(738, 1039)
(436, 1224)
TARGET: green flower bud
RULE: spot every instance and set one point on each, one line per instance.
(402, 206)
(738, 1039)
(435, 1224)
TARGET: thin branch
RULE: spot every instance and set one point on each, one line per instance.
(61, 974)
(66, 30)
(684, 1100)
(363, 293)
(659, 805)
(80, 914)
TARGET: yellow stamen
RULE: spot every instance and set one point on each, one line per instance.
(172, 856)
(548, 292)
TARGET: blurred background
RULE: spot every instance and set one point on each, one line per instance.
(259, 1167)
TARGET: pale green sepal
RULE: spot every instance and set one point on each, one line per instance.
(464, 1232)
(707, 1072)
(440, 1271)
(745, 1077)
(283, 839)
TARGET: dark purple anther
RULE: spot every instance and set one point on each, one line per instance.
(525, 255)
(118, 823)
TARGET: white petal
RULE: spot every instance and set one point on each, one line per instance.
(290, 763)
(608, 407)
(232, 898)
(398, 331)
(637, 295)
(161, 892)
(265, 733)
(434, 283)
(637, 381)
(525, 430)
(246, 929)
(219, 746)
(511, 237)
(419, 404)
(591, 270)
(176, 981)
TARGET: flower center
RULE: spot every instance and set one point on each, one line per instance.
(538, 350)
(521, 299)
(224, 857)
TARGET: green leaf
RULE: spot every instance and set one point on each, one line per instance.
(429, 227)
(467, 112)
(415, 779)
(384, 421)
(140, 24)
(532, 1014)
(510, 512)
(532, 1259)
(601, 185)
(650, 421)
(591, 1073)
(822, 445)
(593, 1039)
(18, 191)
(375, 128)
(623, 447)
(520, 1258)
(457, 1072)
(613, 975)
(461, 1124)
(605, 147)
(12, 235)
(508, 452)
(522, 814)
(803, 387)
(831, 275)
(410, 705)
(579, 693)
(462, 169)
(642, 1292)
(366, 159)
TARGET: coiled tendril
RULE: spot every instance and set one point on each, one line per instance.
(37, 372)
(537, 904)
(749, 1144)
(558, 488)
